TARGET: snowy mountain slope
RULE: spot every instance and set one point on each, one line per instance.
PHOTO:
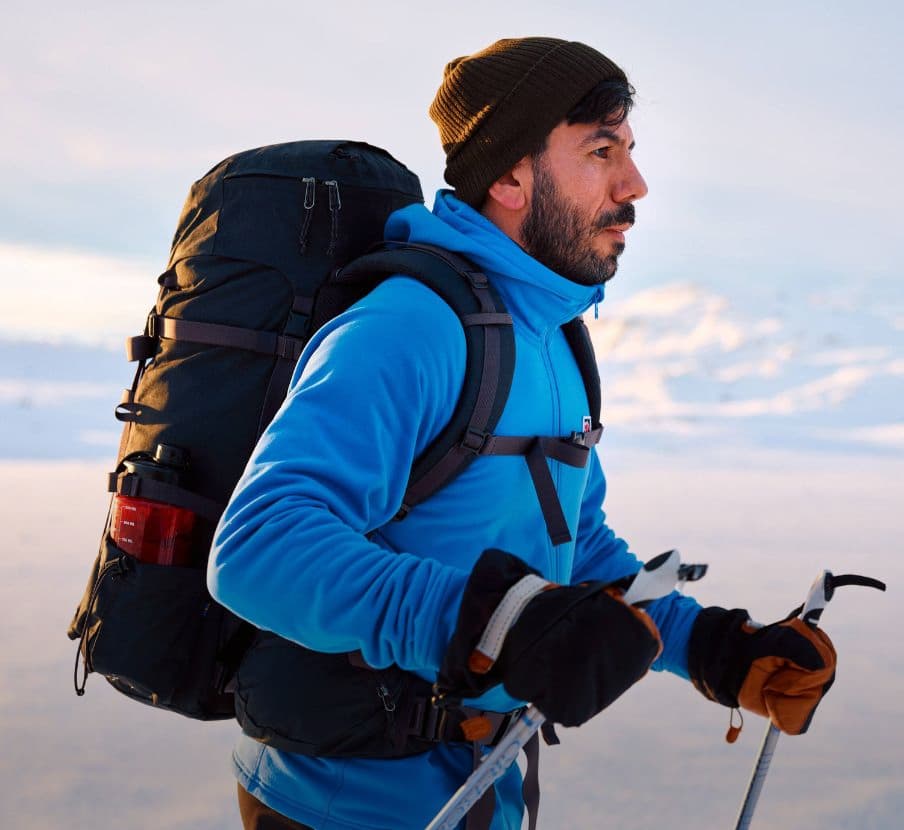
(685, 364)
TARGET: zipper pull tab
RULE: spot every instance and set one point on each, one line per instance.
(335, 206)
(310, 194)
(386, 697)
(333, 189)
(597, 299)
(733, 731)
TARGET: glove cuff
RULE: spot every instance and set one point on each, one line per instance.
(714, 650)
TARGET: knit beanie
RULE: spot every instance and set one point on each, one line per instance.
(495, 105)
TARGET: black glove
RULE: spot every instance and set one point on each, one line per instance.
(569, 650)
(780, 671)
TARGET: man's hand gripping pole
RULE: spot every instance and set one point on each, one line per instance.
(658, 577)
(821, 592)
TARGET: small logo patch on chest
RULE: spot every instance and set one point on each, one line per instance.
(587, 424)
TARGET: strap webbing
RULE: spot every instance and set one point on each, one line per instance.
(487, 319)
(276, 393)
(480, 816)
(216, 334)
(550, 505)
(578, 338)
(490, 350)
(530, 787)
(139, 487)
(128, 409)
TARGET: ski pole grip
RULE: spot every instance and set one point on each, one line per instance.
(820, 594)
(818, 597)
(659, 577)
(823, 589)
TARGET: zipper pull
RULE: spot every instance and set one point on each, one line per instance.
(386, 697)
(597, 298)
(310, 194)
(332, 187)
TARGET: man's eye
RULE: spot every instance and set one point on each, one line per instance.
(601, 152)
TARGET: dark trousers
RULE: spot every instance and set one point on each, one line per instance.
(258, 816)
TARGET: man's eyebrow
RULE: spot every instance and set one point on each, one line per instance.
(603, 132)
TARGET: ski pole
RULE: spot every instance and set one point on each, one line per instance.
(821, 592)
(657, 578)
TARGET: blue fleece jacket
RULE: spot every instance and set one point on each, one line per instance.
(373, 388)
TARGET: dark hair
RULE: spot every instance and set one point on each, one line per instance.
(608, 104)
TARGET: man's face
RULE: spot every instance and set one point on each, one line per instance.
(582, 201)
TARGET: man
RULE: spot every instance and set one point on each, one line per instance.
(538, 149)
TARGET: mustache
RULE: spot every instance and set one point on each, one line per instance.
(622, 215)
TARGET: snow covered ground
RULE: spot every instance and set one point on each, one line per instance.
(767, 522)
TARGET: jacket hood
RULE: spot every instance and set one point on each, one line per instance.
(539, 298)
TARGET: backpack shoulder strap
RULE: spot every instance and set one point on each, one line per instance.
(578, 338)
(490, 344)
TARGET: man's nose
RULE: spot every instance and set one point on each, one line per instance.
(631, 185)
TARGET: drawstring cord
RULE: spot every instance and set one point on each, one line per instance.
(82, 651)
(309, 196)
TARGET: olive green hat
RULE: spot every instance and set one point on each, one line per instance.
(495, 105)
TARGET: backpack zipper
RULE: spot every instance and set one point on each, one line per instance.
(310, 195)
(332, 187)
(389, 705)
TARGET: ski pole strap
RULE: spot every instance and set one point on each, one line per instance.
(822, 591)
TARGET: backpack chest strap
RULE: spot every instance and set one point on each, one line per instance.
(573, 451)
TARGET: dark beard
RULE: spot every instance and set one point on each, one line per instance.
(556, 235)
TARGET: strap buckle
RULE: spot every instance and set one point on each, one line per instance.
(477, 278)
(510, 719)
(579, 439)
(429, 721)
(474, 440)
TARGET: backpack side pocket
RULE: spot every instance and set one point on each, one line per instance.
(139, 624)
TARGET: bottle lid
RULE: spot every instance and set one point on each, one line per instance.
(171, 456)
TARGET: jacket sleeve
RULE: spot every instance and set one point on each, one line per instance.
(290, 554)
(600, 554)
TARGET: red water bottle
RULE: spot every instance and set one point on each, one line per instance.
(153, 531)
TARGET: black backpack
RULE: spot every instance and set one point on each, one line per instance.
(272, 243)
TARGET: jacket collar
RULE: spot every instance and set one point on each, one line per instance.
(535, 296)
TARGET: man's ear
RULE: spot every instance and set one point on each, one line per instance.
(512, 191)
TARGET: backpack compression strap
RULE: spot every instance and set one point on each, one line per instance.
(286, 348)
(488, 376)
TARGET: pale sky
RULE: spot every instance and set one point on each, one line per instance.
(769, 133)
